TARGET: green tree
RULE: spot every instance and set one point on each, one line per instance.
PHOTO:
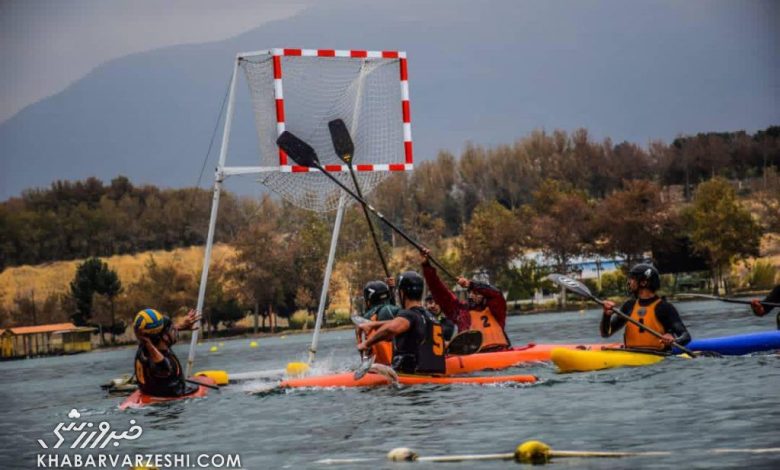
(721, 229)
(93, 276)
(491, 240)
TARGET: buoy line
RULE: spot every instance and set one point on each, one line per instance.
(535, 452)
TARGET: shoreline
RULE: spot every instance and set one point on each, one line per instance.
(573, 306)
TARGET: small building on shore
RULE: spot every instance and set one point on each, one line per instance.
(45, 340)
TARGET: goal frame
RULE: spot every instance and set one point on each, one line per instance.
(224, 171)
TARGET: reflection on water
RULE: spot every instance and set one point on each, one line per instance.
(683, 406)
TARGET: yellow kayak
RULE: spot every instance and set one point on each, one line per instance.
(572, 360)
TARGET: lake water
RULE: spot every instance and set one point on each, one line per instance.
(687, 407)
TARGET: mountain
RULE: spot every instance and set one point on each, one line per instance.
(486, 72)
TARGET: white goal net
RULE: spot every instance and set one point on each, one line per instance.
(302, 90)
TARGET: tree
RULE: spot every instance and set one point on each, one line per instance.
(162, 287)
(628, 221)
(109, 285)
(262, 268)
(93, 276)
(491, 240)
(562, 226)
(720, 228)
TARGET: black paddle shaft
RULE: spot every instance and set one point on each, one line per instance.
(304, 155)
(345, 149)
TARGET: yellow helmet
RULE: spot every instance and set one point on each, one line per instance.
(149, 321)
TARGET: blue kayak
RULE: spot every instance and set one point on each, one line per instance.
(738, 345)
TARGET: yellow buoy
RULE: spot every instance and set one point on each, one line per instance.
(535, 452)
(253, 344)
(296, 369)
(220, 377)
(213, 349)
(283, 336)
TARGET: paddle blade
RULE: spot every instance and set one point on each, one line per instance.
(342, 142)
(363, 368)
(297, 149)
(570, 284)
(465, 343)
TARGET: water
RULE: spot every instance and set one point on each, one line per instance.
(683, 406)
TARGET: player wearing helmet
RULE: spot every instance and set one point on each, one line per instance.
(485, 310)
(379, 307)
(157, 368)
(648, 309)
(418, 343)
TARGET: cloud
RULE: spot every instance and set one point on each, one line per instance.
(47, 45)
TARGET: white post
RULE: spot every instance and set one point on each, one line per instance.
(326, 281)
(218, 178)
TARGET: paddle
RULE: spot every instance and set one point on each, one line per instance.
(196, 382)
(732, 301)
(304, 155)
(345, 149)
(583, 291)
(366, 361)
(465, 343)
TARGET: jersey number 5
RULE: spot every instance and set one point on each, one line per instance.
(438, 341)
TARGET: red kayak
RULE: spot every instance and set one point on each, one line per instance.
(518, 354)
(347, 379)
(139, 399)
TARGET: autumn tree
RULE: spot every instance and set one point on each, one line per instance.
(721, 229)
(628, 221)
(262, 268)
(162, 287)
(562, 225)
(491, 241)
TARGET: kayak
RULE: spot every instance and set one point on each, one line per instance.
(737, 345)
(139, 399)
(569, 360)
(504, 359)
(347, 379)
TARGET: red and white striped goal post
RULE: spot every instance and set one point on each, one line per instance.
(278, 53)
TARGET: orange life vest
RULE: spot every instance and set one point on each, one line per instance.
(383, 350)
(636, 337)
(492, 333)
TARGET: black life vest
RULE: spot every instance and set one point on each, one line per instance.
(151, 382)
(421, 348)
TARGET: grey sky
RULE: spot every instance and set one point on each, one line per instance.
(74, 36)
(488, 72)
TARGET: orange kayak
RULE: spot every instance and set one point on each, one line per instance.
(346, 379)
(518, 354)
(139, 399)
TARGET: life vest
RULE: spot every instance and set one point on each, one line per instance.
(636, 337)
(383, 350)
(428, 355)
(173, 385)
(493, 336)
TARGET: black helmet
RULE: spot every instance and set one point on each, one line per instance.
(411, 284)
(376, 292)
(646, 272)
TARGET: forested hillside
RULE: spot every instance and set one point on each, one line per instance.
(562, 194)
